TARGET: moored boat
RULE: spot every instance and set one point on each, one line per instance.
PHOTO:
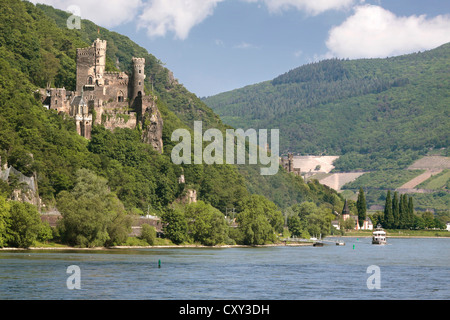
(379, 236)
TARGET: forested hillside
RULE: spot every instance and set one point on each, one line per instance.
(375, 113)
(37, 49)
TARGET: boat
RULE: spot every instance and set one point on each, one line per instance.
(318, 244)
(379, 236)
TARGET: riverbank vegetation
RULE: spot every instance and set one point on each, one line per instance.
(402, 233)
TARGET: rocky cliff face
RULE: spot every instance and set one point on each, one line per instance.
(152, 124)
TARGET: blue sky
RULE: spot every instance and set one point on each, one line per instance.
(214, 46)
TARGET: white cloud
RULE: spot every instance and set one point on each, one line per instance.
(178, 16)
(312, 7)
(219, 43)
(373, 32)
(246, 45)
(107, 13)
(298, 53)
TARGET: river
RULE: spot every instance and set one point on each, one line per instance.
(404, 269)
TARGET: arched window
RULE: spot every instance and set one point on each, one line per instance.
(120, 97)
(90, 80)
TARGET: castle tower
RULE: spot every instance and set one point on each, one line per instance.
(58, 99)
(137, 82)
(100, 59)
(290, 162)
(91, 64)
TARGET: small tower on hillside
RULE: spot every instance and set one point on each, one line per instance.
(345, 211)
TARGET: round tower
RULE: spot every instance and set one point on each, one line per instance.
(137, 84)
(100, 57)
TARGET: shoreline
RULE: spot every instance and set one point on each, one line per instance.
(281, 244)
(158, 247)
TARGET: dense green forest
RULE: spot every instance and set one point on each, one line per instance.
(374, 113)
(36, 49)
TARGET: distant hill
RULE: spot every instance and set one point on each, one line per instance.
(373, 113)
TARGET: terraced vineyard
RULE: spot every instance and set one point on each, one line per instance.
(437, 182)
(427, 180)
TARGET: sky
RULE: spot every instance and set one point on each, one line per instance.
(213, 46)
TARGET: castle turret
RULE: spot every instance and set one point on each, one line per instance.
(137, 83)
(100, 58)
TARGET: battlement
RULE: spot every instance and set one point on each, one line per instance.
(138, 62)
(100, 44)
(115, 75)
(85, 51)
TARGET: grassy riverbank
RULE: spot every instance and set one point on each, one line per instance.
(403, 233)
(134, 243)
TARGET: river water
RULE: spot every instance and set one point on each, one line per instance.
(408, 269)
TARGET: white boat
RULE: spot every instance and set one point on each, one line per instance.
(379, 236)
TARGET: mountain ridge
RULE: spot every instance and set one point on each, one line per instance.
(374, 113)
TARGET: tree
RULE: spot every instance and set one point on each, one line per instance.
(348, 224)
(405, 220)
(259, 220)
(206, 224)
(314, 220)
(25, 225)
(295, 226)
(120, 225)
(92, 215)
(361, 207)
(396, 210)
(428, 219)
(377, 218)
(5, 221)
(388, 214)
(402, 218)
(175, 226)
(410, 211)
(418, 222)
(45, 233)
(148, 234)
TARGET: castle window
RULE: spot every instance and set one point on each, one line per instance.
(140, 71)
(120, 97)
(90, 80)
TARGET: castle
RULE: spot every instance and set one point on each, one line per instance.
(113, 99)
(288, 165)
